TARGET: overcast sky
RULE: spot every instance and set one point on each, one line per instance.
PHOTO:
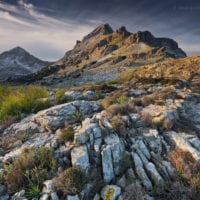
(48, 28)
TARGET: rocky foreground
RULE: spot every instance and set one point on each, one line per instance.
(129, 148)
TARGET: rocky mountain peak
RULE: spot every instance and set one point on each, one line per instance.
(18, 62)
(103, 29)
(144, 36)
(122, 31)
(17, 50)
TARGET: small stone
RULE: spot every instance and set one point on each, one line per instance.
(69, 197)
(4, 197)
(44, 197)
(48, 186)
(2, 189)
(97, 197)
(110, 192)
(54, 196)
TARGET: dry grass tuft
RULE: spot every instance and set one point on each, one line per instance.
(187, 167)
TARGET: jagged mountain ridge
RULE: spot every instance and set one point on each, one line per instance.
(18, 62)
(104, 53)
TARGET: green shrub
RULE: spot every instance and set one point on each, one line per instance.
(67, 134)
(98, 96)
(121, 100)
(61, 97)
(112, 82)
(78, 116)
(71, 181)
(41, 104)
(33, 192)
(23, 137)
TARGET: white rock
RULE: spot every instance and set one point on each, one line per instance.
(196, 143)
(110, 192)
(81, 137)
(144, 149)
(54, 196)
(44, 197)
(69, 197)
(111, 139)
(97, 197)
(80, 158)
(74, 94)
(183, 144)
(155, 176)
(117, 157)
(97, 145)
(4, 197)
(141, 172)
(97, 132)
(48, 186)
(107, 164)
(89, 94)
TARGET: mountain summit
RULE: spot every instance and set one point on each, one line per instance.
(18, 62)
(104, 53)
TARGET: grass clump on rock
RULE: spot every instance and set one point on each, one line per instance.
(70, 181)
(187, 167)
(30, 170)
(67, 134)
(61, 97)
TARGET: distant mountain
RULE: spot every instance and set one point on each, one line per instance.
(18, 62)
(104, 53)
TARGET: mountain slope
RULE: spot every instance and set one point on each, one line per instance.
(18, 62)
(136, 140)
(104, 53)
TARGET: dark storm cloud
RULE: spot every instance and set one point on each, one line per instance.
(178, 19)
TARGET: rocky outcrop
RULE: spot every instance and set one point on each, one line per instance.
(185, 144)
(119, 163)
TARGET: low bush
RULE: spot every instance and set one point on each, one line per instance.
(41, 104)
(120, 109)
(67, 134)
(118, 124)
(178, 191)
(7, 143)
(147, 100)
(78, 116)
(121, 100)
(61, 97)
(71, 181)
(30, 170)
(115, 97)
(187, 167)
